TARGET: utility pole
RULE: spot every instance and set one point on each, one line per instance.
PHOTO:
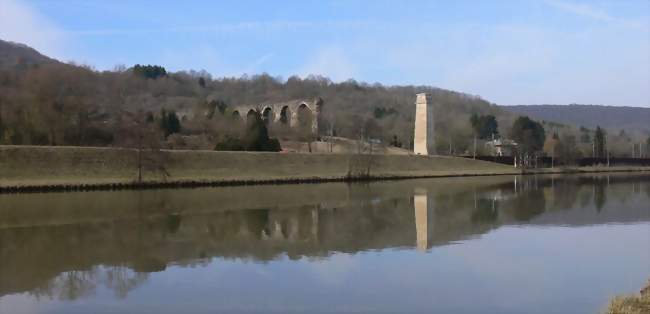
(593, 148)
(607, 150)
(474, 146)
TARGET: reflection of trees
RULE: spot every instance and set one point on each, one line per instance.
(565, 194)
(76, 284)
(69, 285)
(60, 260)
(585, 196)
(122, 280)
(173, 223)
(486, 211)
(528, 205)
(599, 195)
(620, 192)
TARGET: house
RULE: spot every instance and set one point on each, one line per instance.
(501, 147)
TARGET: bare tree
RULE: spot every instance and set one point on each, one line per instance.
(138, 131)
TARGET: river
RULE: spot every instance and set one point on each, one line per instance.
(503, 244)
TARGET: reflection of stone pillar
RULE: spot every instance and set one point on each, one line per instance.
(423, 139)
(294, 227)
(314, 223)
(276, 232)
(421, 220)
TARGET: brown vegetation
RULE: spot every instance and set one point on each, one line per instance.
(45, 102)
(39, 166)
(631, 304)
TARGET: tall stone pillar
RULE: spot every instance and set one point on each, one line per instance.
(423, 139)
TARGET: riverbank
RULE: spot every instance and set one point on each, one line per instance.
(43, 168)
(631, 304)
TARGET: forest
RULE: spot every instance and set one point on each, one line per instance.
(46, 102)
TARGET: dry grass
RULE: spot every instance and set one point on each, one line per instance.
(52, 166)
(32, 165)
(631, 304)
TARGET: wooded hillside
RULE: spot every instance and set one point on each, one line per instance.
(46, 102)
(631, 119)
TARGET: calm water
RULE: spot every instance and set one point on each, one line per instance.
(458, 245)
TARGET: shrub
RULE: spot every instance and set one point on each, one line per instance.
(230, 144)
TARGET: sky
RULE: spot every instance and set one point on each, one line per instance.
(508, 52)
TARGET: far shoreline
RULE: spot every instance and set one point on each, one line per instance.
(29, 169)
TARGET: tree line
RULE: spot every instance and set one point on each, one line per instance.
(65, 104)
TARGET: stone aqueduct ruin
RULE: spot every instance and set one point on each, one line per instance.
(289, 112)
(285, 112)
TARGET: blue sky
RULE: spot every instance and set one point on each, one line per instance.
(508, 52)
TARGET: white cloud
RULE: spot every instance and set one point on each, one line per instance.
(582, 9)
(21, 23)
(226, 28)
(598, 14)
(254, 66)
(329, 61)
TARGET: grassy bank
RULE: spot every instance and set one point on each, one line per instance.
(631, 304)
(25, 168)
(38, 166)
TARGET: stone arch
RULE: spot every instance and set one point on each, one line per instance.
(268, 115)
(250, 115)
(285, 115)
(236, 120)
(303, 117)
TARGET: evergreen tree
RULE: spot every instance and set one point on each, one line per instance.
(173, 123)
(381, 112)
(484, 126)
(169, 122)
(599, 143)
(585, 138)
(528, 134)
(256, 138)
(149, 71)
(163, 120)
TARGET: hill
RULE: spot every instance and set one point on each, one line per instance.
(14, 55)
(42, 94)
(632, 119)
(46, 102)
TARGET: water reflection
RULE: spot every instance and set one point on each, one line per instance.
(65, 246)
